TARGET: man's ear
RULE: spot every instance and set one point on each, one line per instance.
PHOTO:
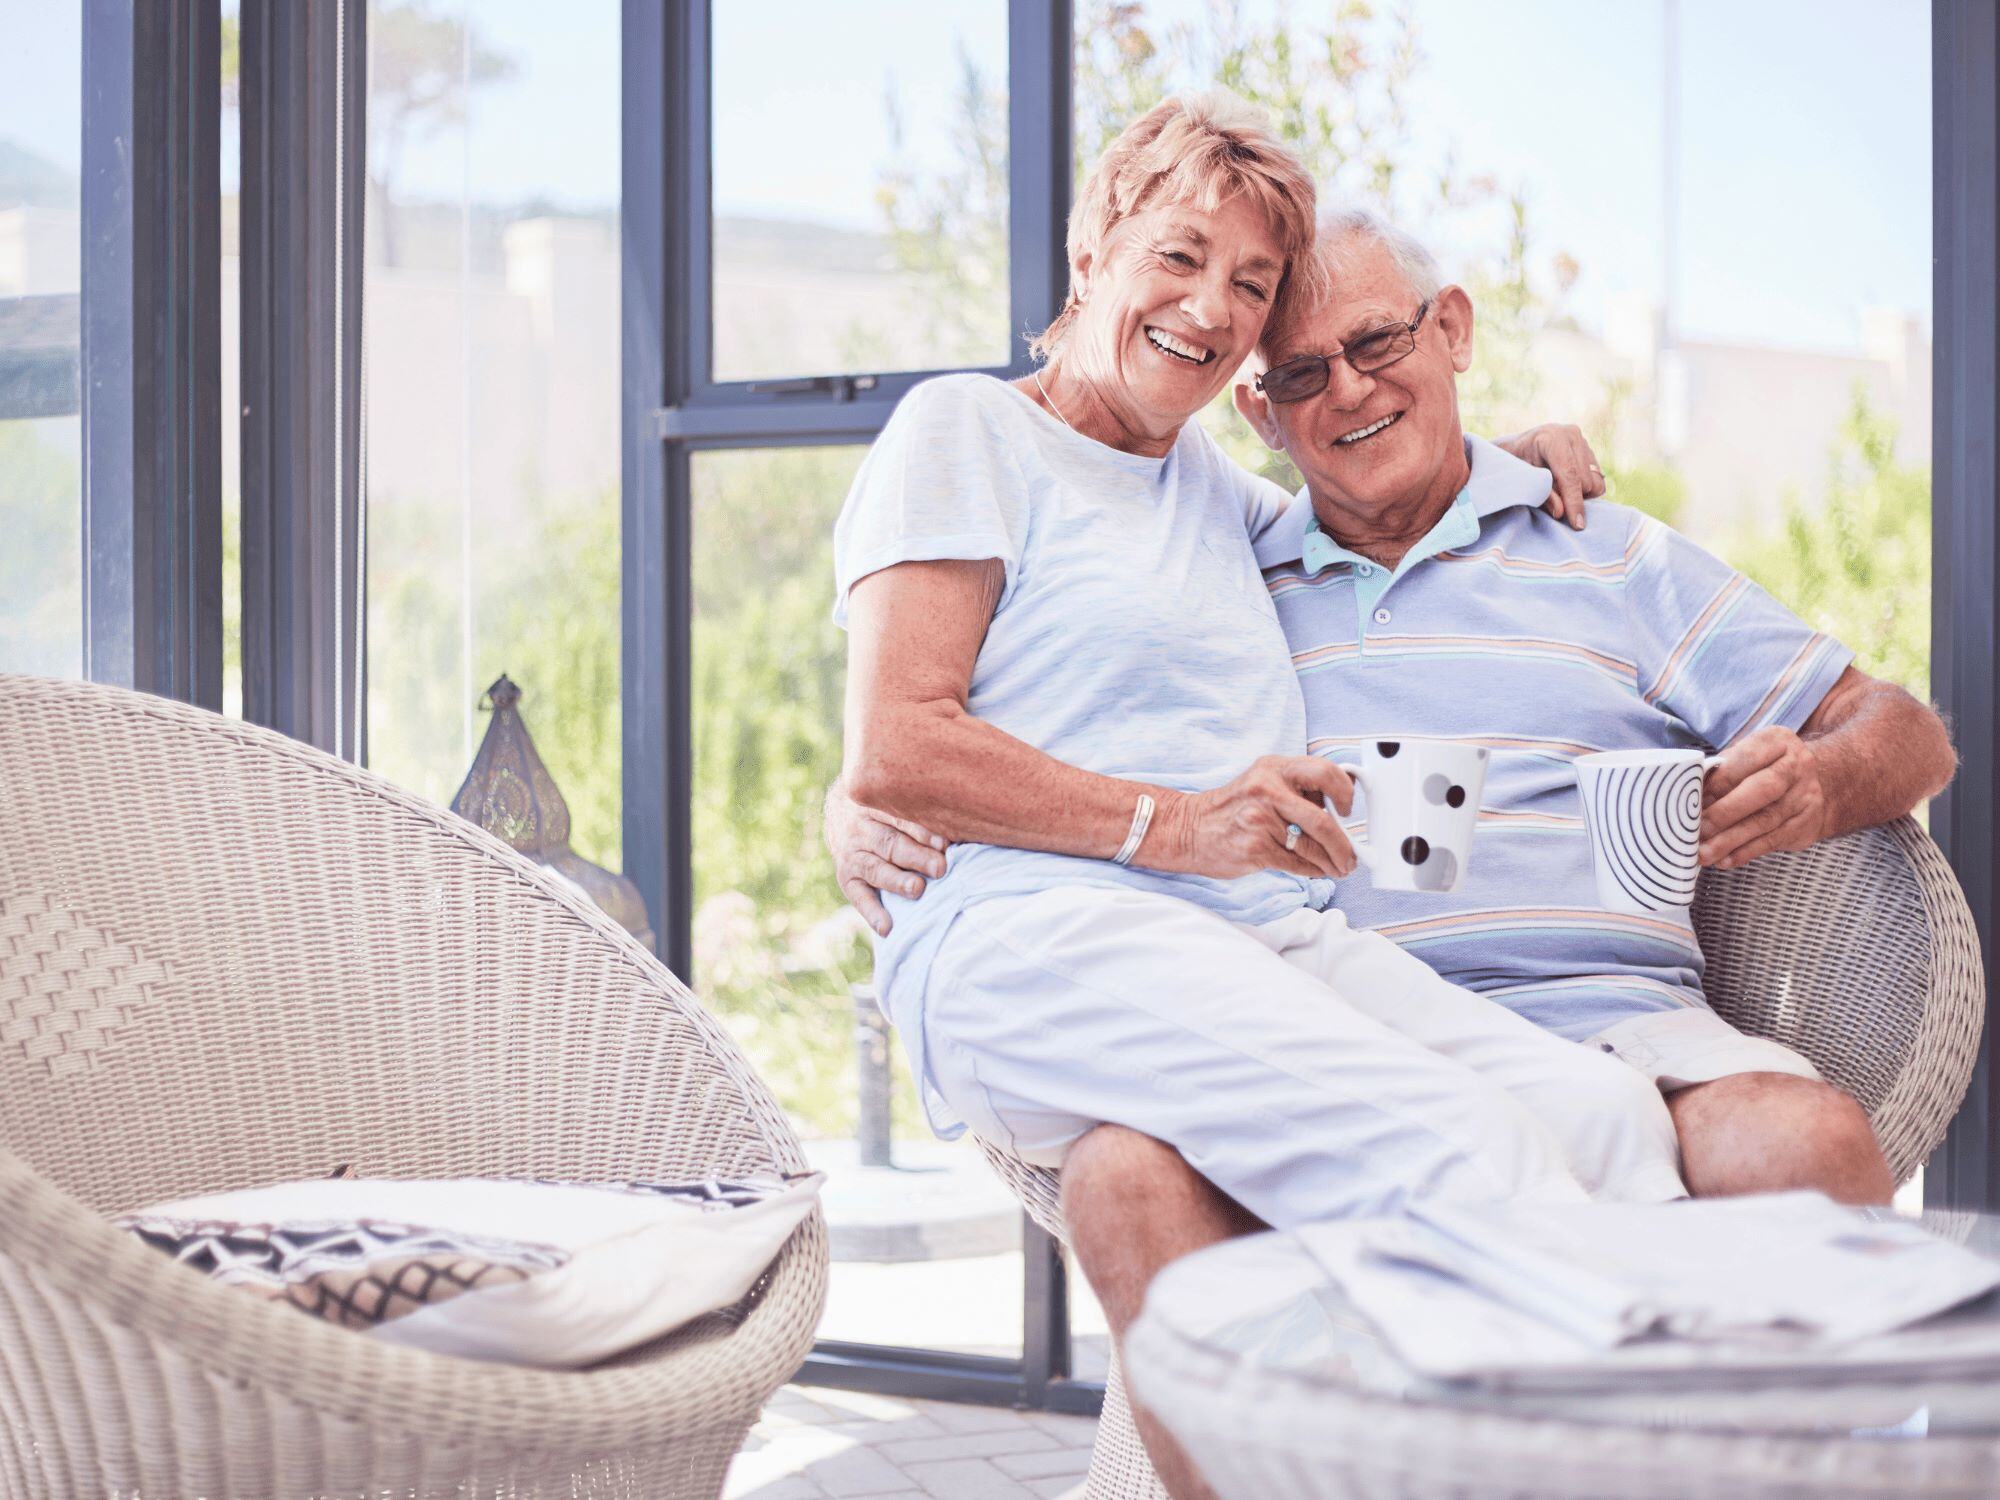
(1454, 317)
(1256, 409)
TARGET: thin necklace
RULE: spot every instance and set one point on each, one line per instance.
(1052, 401)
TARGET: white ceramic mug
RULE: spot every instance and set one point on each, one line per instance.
(1423, 805)
(1643, 811)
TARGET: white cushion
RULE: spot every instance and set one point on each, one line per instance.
(527, 1272)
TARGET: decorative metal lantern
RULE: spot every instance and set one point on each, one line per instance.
(510, 794)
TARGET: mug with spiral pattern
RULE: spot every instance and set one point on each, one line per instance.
(1643, 812)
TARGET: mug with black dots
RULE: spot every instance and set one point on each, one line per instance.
(1421, 799)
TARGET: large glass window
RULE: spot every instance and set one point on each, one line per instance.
(926, 1244)
(860, 187)
(41, 457)
(492, 408)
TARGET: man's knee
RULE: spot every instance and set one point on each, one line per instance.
(1112, 1162)
(1117, 1176)
(1131, 1204)
(1769, 1132)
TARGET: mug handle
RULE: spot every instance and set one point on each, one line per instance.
(1364, 849)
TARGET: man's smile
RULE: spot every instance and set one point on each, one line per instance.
(1362, 434)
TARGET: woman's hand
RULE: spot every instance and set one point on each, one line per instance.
(1564, 452)
(1241, 828)
(874, 852)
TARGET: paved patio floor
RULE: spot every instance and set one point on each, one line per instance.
(817, 1444)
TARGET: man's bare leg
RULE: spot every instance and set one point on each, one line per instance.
(1132, 1204)
(1768, 1132)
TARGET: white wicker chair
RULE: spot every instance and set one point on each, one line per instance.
(1860, 953)
(227, 958)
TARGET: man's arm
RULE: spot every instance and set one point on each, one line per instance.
(1870, 752)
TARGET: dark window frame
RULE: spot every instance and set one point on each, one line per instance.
(304, 111)
(149, 354)
(1965, 559)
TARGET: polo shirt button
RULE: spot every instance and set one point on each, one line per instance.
(1381, 617)
(1364, 569)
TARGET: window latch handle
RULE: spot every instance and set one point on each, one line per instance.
(840, 387)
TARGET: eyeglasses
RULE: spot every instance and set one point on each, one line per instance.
(1296, 379)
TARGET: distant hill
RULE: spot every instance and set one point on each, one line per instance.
(29, 179)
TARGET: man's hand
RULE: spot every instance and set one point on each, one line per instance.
(874, 852)
(1766, 792)
(1563, 451)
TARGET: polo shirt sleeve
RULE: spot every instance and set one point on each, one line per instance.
(938, 483)
(1712, 648)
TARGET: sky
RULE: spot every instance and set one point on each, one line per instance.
(1804, 140)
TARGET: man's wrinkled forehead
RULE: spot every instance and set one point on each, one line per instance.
(1364, 290)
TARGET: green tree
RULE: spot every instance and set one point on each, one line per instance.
(1859, 566)
(776, 947)
(422, 68)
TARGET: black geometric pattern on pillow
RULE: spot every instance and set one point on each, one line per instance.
(356, 1274)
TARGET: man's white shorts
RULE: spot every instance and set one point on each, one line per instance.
(1677, 1048)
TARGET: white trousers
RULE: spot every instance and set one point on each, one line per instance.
(1308, 1070)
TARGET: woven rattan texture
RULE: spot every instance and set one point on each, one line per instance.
(1859, 952)
(290, 964)
(1278, 1435)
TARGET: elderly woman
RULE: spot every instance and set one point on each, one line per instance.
(1063, 659)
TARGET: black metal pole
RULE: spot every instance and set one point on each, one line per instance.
(1965, 564)
(1040, 136)
(150, 351)
(656, 775)
(304, 89)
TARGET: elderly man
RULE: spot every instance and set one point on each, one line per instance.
(1423, 593)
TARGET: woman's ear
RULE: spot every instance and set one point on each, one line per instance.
(1079, 275)
(1454, 318)
(1256, 409)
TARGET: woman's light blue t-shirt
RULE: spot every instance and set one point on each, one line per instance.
(1134, 635)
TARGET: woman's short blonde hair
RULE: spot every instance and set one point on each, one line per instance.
(1202, 150)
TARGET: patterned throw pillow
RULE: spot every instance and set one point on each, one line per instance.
(356, 1275)
(527, 1270)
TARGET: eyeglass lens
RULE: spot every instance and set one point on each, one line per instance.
(1296, 379)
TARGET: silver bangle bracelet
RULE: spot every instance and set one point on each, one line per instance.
(1142, 815)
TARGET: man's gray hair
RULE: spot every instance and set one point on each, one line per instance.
(1338, 234)
(1338, 228)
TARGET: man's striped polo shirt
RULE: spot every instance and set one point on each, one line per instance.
(1507, 628)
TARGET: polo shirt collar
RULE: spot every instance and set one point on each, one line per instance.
(1497, 481)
